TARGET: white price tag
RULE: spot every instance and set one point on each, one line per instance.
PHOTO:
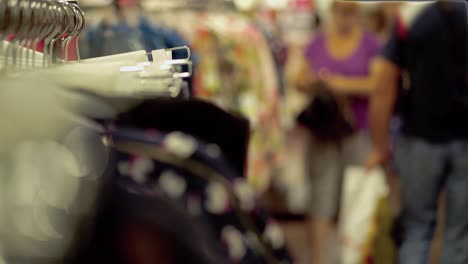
(160, 56)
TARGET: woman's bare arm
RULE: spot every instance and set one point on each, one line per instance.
(306, 76)
(354, 85)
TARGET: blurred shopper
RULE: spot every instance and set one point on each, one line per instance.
(125, 28)
(428, 50)
(340, 57)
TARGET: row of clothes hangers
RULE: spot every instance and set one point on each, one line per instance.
(30, 26)
(50, 26)
(53, 27)
(226, 5)
(25, 72)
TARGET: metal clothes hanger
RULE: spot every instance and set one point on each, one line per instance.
(24, 32)
(35, 30)
(81, 19)
(45, 27)
(42, 22)
(12, 25)
(3, 7)
(71, 27)
(58, 14)
(77, 18)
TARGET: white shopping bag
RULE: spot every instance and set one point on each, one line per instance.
(362, 191)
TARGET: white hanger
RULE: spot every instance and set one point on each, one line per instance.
(113, 76)
(128, 57)
(38, 55)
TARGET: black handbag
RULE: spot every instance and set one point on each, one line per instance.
(324, 117)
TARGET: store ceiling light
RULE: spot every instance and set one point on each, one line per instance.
(245, 5)
(86, 3)
(277, 4)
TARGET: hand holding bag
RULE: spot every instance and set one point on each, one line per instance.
(324, 116)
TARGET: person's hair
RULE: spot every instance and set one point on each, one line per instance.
(445, 5)
(118, 8)
(380, 20)
(317, 21)
(336, 3)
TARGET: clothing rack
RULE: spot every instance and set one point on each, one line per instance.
(201, 5)
(47, 26)
(45, 33)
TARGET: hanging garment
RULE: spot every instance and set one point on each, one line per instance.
(196, 117)
(197, 175)
(238, 74)
(107, 39)
(279, 52)
(131, 225)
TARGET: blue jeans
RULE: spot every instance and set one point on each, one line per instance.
(424, 169)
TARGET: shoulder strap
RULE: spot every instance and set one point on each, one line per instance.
(401, 29)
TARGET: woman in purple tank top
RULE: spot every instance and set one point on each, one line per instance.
(340, 55)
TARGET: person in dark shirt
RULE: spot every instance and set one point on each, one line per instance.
(422, 75)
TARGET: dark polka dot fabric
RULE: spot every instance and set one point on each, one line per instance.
(228, 209)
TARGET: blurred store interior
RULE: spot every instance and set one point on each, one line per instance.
(185, 131)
